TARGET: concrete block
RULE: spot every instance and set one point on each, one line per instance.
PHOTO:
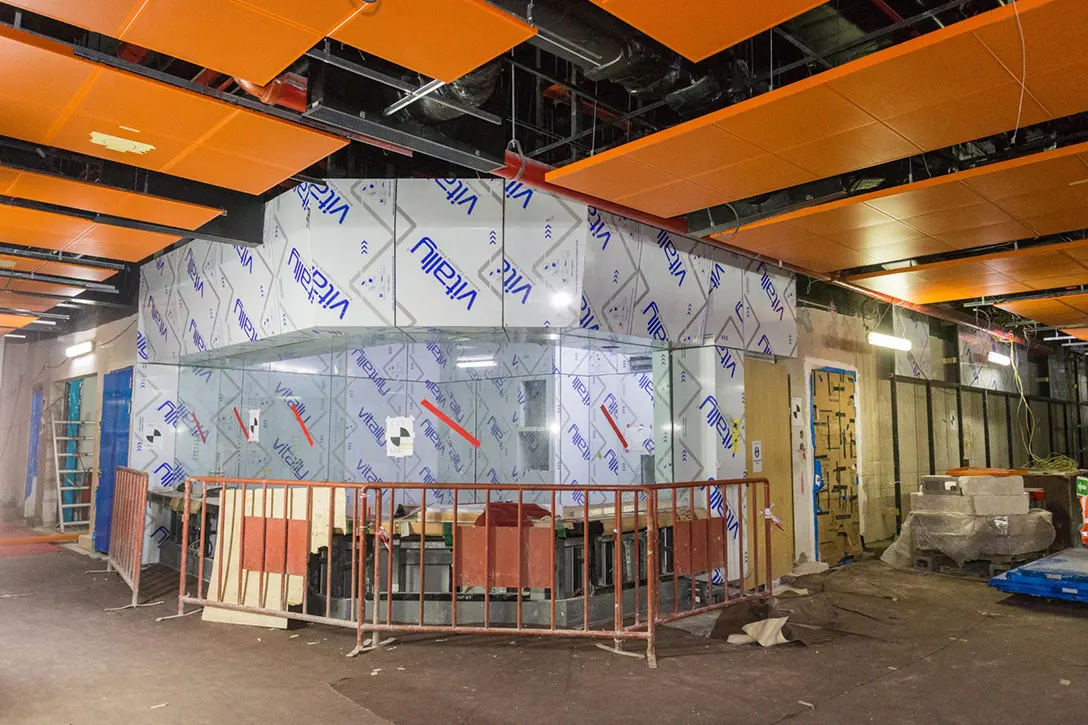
(940, 486)
(921, 502)
(991, 485)
(999, 505)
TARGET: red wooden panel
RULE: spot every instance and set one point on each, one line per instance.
(534, 565)
(699, 546)
(266, 540)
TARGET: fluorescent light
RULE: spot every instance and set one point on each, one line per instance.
(41, 322)
(998, 359)
(18, 337)
(474, 358)
(895, 343)
(81, 302)
(79, 349)
(1054, 338)
(70, 307)
(552, 336)
(476, 363)
(562, 299)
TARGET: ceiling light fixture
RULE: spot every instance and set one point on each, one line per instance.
(1055, 338)
(895, 343)
(17, 337)
(476, 363)
(998, 359)
(79, 349)
(41, 322)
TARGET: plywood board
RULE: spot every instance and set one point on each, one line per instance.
(767, 419)
(269, 591)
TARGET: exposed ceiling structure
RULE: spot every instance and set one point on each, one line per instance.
(927, 151)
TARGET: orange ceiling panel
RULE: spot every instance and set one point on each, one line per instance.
(31, 228)
(973, 208)
(16, 301)
(52, 97)
(58, 269)
(258, 39)
(443, 39)
(49, 288)
(1069, 310)
(697, 29)
(950, 86)
(103, 199)
(15, 321)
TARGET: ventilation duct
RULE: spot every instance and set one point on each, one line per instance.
(472, 89)
(608, 50)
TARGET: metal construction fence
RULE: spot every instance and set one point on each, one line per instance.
(127, 527)
(602, 562)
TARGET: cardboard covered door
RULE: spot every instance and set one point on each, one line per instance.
(834, 444)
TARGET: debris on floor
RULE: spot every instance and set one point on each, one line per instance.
(829, 606)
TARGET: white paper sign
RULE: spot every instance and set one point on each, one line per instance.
(254, 425)
(757, 457)
(400, 436)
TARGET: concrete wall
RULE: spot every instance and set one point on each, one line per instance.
(828, 339)
(43, 364)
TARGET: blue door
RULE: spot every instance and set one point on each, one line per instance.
(113, 449)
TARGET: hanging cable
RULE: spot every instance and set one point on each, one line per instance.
(1023, 69)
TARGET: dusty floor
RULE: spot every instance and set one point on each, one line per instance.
(931, 655)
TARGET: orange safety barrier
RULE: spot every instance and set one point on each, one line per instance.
(598, 562)
(127, 528)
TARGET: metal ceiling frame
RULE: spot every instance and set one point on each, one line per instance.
(27, 313)
(1028, 296)
(122, 222)
(61, 258)
(54, 279)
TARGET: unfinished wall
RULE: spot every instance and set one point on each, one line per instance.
(44, 364)
(828, 339)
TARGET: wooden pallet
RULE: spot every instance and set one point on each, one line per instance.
(983, 569)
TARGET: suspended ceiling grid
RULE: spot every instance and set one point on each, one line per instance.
(978, 207)
(698, 29)
(258, 39)
(58, 99)
(953, 85)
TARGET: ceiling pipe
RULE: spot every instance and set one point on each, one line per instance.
(288, 91)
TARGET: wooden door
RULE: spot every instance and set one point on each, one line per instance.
(767, 423)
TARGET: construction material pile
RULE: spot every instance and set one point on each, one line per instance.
(969, 518)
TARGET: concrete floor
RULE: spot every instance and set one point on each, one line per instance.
(934, 654)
